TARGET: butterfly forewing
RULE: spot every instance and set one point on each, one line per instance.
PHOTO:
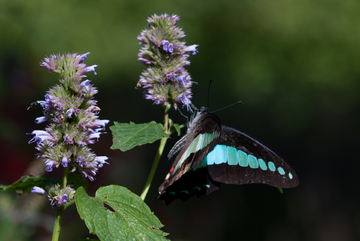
(178, 146)
(203, 134)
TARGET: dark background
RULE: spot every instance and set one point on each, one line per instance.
(295, 65)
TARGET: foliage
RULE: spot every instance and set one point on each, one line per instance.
(127, 136)
(115, 213)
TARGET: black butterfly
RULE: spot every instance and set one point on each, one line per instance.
(211, 154)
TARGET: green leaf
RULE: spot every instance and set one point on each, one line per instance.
(25, 183)
(127, 136)
(115, 213)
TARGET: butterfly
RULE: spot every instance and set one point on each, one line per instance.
(210, 154)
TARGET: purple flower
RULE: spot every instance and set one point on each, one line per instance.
(91, 178)
(85, 84)
(89, 69)
(101, 160)
(40, 119)
(89, 170)
(49, 98)
(171, 48)
(144, 60)
(83, 57)
(93, 136)
(165, 45)
(100, 123)
(36, 189)
(49, 166)
(50, 63)
(83, 143)
(79, 160)
(186, 102)
(81, 125)
(69, 112)
(64, 198)
(192, 48)
(39, 102)
(182, 80)
(64, 161)
(41, 136)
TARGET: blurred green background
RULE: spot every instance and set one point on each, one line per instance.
(295, 65)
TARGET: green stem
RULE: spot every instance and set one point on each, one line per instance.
(153, 168)
(65, 176)
(158, 155)
(60, 211)
(57, 225)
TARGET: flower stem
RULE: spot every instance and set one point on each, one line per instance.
(65, 176)
(158, 154)
(153, 168)
(60, 211)
(57, 225)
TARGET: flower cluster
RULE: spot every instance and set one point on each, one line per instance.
(56, 195)
(72, 115)
(166, 56)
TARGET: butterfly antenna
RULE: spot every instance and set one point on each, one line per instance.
(187, 118)
(238, 102)
(194, 107)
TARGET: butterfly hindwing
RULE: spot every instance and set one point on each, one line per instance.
(240, 159)
(192, 183)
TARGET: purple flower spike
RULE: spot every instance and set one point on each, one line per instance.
(166, 77)
(37, 190)
(72, 113)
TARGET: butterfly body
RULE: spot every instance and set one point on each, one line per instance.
(210, 154)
